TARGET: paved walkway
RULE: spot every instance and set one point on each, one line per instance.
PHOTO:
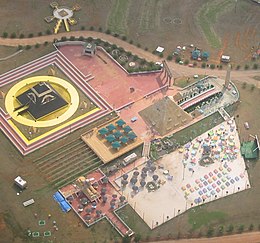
(253, 237)
(178, 70)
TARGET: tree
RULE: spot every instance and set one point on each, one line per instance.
(37, 45)
(108, 31)
(220, 66)
(252, 87)
(137, 238)
(131, 42)
(203, 65)
(124, 38)
(30, 35)
(100, 29)
(81, 38)
(48, 32)
(177, 59)
(161, 55)
(240, 228)
(5, 35)
(255, 66)
(169, 57)
(230, 228)
(27, 47)
(63, 38)
(91, 28)
(210, 232)
(21, 36)
(138, 45)
(126, 239)
(244, 85)
(246, 67)
(186, 62)
(82, 27)
(46, 43)
(146, 49)
(72, 38)
(13, 35)
(39, 33)
(251, 227)
(238, 67)
(212, 66)
(19, 47)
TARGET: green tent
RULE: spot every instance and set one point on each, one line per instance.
(120, 123)
(127, 129)
(103, 131)
(132, 135)
(110, 138)
(116, 144)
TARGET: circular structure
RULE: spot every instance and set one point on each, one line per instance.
(116, 52)
(167, 20)
(62, 13)
(177, 21)
(131, 64)
(123, 58)
(64, 91)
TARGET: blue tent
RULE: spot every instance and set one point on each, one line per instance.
(103, 131)
(127, 129)
(132, 135)
(120, 123)
(110, 138)
(111, 127)
(65, 207)
(195, 54)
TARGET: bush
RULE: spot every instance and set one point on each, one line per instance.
(106, 44)
(98, 41)
(13, 35)
(210, 232)
(161, 55)
(48, 32)
(20, 47)
(89, 39)
(255, 66)
(230, 228)
(5, 35)
(146, 49)
(203, 65)
(30, 35)
(237, 67)
(124, 38)
(116, 35)
(72, 38)
(135, 57)
(129, 53)
(46, 43)
(39, 33)
(240, 228)
(131, 42)
(21, 36)
(142, 61)
(138, 45)
(220, 66)
(63, 38)
(91, 28)
(177, 59)
(246, 67)
(244, 85)
(108, 31)
(100, 29)
(28, 47)
(37, 45)
(251, 227)
(186, 62)
(82, 28)
(169, 57)
(252, 87)
(81, 38)
(212, 66)
(220, 230)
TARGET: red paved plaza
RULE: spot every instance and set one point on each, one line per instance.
(110, 81)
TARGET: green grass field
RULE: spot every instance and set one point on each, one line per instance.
(207, 17)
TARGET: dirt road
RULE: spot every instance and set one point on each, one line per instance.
(178, 70)
(253, 237)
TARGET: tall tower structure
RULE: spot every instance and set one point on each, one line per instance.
(227, 79)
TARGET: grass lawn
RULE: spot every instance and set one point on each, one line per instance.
(182, 82)
(117, 18)
(201, 217)
(208, 16)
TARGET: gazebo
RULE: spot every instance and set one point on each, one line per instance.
(103, 131)
(116, 145)
(127, 129)
(131, 135)
(120, 123)
(111, 127)
(110, 138)
(117, 134)
(124, 139)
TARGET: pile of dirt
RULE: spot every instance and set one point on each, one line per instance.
(165, 116)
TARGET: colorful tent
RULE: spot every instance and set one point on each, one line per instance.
(117, 134)
(111, 127)
(103, 131)
(127, 129)
(110, 138)
(124, 139)
(132, 135)
(116, 145)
